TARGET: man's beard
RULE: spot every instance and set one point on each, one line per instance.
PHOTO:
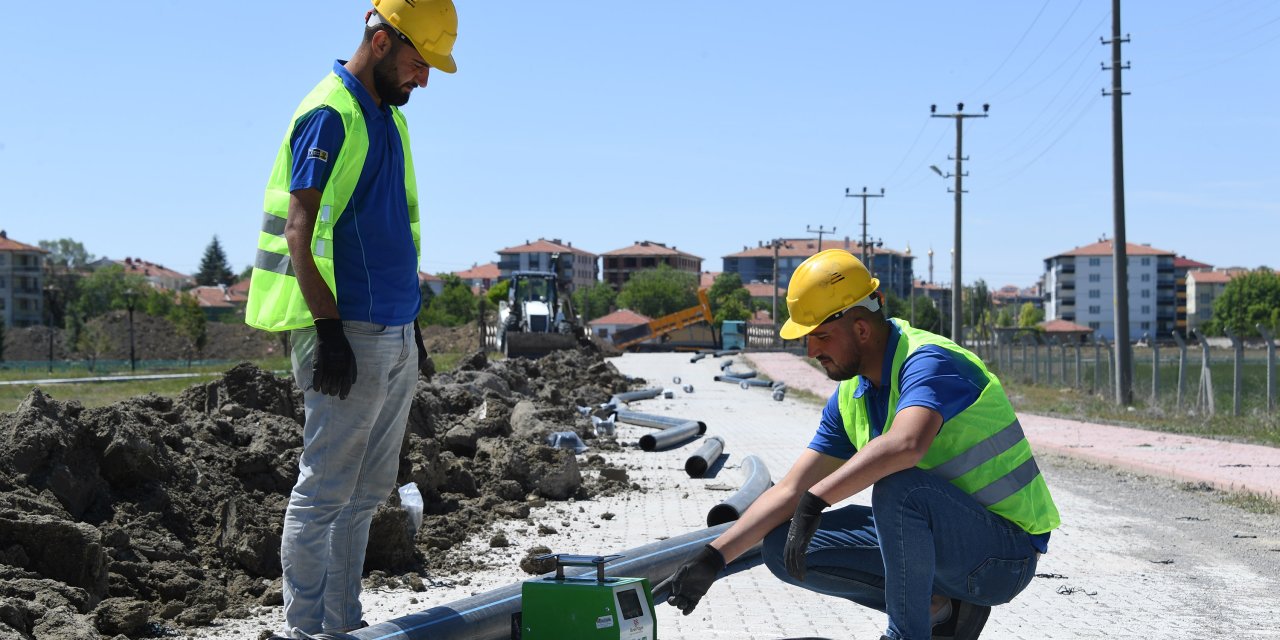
(840, 373)
(384, 82)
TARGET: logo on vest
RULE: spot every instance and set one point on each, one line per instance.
(316, 153)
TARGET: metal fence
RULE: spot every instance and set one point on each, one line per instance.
(1184, 375)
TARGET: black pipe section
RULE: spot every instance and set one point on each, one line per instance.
(757, 480)
(488, 616)
(672, 436)
(698, 357)
(727, 352)
(650, 420)
(749, 373)
(697, 464)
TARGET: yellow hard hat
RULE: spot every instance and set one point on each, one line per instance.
(431, 25)
(827, 283)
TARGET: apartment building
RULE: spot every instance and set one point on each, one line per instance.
(619, 264)
(1203, 289)
(21, 283)
(1078, 287)
(536, 256)
(756, 264)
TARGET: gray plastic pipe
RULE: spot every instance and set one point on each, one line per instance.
(697, 464)
(488, 616)
(649, 420)
(672, 435)
(628, 396)
(756, 481)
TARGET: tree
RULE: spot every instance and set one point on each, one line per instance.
(1, 339)
(593, 301)
(1030, 316)
(658, 292)
(65, 254)
(1005, 317)
(455, 306)
(729, 299)
(105, 290)
(1248, 300)
(189, 321)
(214, 268)
(974, 305)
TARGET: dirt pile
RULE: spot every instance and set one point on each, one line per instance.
(157, 512)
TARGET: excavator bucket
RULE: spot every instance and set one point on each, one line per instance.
(536, 345)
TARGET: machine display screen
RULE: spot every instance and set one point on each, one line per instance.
(630, 603)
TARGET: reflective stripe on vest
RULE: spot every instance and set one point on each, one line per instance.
(982, 450)
(275, 300)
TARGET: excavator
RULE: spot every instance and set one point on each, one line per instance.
(658, 327)
(537, 317)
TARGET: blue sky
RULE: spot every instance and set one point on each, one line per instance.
(144, 129)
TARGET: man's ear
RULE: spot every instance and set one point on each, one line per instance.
(381, 44)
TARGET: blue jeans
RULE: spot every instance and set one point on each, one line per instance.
(350, 458)
(920, 537)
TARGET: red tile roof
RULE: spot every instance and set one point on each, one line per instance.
(209, 296)
(1063, 326)
(241, 287)
(423, 276)
(1183, 262)
(542, 245)
(488, 271)
(13, 245)
(649, 248)
(1212, 277)
(138, 266)
(764, 290)
(1107, 247)
(621, 317)
(707, 278)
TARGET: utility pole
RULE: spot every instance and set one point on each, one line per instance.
(957, 317)
(821, 232)
(864, 195)
(774, 317)
(1119, 254)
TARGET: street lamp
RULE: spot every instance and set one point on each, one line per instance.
(129, 295)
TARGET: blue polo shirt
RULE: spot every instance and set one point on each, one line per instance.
(931, 377)
(375, 262)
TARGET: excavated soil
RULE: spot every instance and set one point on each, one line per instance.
(157, 513)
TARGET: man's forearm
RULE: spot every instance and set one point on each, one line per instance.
(298, 230)
(772, 508)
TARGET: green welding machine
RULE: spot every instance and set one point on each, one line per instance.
(585, 607)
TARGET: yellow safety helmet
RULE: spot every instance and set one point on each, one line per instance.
(431, 25)
(827, 283)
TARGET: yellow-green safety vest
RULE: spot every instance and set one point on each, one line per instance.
(275, 300)
(981, 450)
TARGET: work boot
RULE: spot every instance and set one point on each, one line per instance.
(964, 623)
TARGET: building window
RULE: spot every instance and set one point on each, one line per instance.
(1146, 325)
(1146, 293)
(1094, 293)
(1095, 262)
(1205, 298)
(1146, 277)
(1146, 308)
(1095, 277)
(1146, 262)
(1095, 325)
(1095, 309)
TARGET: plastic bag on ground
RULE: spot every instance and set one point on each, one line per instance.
(411, 500)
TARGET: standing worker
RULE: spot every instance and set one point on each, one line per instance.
(337, 267)
(959, 511)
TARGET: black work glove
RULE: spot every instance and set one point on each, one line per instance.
(333, 365)
(426, 366)
(691, 581)
(803, 525)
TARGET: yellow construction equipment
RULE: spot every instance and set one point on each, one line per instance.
(659, 327)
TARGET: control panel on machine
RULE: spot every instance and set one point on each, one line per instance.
(589, 606)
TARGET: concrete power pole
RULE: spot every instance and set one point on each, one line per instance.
(1119, 254)
(864, 195)
(957, 316)
(821, 232)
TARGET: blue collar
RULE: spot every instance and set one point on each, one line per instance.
(353, 84)
(886, 372)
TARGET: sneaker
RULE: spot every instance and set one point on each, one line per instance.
(965, 621)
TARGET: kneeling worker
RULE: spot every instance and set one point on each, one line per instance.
(959, 511)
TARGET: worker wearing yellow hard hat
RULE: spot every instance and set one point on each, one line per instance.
(337, 267)
(959, 511)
